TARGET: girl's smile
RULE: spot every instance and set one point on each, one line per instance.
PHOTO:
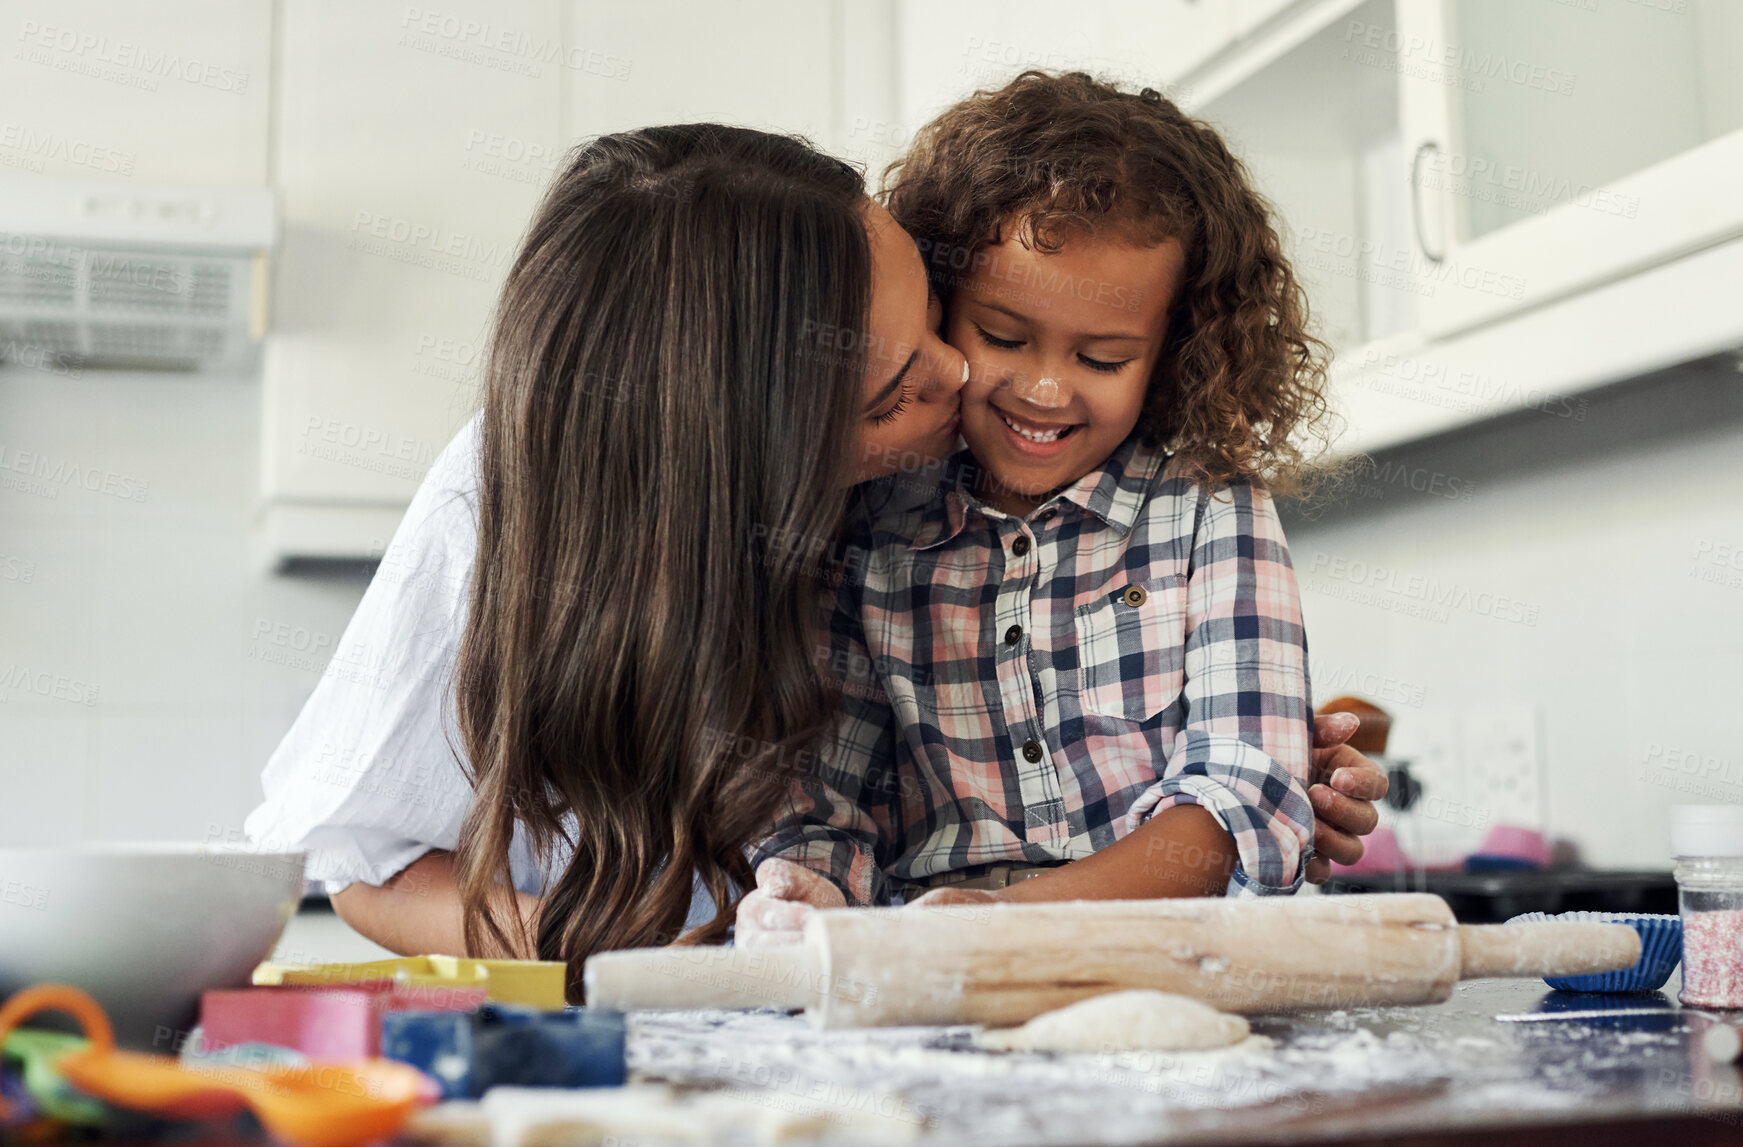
(1038, 439)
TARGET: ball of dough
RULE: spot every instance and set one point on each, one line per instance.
(1122, 1021)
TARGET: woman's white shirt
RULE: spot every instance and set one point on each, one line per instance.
(369, 777)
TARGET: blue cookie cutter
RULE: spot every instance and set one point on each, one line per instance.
(470, 1052)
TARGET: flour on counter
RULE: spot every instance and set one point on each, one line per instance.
(937, 1078)
(1314, 1069)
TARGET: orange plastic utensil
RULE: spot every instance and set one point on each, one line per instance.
(307, 1105)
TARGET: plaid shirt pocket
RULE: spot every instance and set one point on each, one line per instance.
(1131, 649)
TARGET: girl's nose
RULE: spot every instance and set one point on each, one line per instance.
(1044, 392)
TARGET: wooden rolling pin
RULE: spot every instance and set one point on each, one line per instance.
(1007, 963)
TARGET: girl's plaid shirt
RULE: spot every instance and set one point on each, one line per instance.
(1029, 690)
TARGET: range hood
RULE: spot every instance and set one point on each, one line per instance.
(113, 274)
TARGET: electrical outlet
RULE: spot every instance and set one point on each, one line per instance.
(1503, 758)
(1480, 766)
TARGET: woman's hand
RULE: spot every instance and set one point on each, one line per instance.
(784, 898)
(1345, 786)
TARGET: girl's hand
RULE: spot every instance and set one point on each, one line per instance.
(784, 898)
(1346, 785)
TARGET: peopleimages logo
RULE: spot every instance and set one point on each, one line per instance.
(376, 233)
(1466, 63)
(1375, 476)
(502, 47)
(366, 448)
(49, 474)
(1718, 563)
(1371, 578)
(57, 686)
(1692, 763)
(1333, 679)
(89, 53)
(1458, 387)
(1419, 270)
(1518, 186)
(37, 146)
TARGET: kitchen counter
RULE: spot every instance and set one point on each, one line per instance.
(1433, 1074)
(1442, 1074)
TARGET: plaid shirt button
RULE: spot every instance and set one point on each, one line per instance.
(1013, 635)
(1032, 751)
(1134, 596)
(1020, 546)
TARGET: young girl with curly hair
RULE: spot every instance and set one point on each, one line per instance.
(1089, 672)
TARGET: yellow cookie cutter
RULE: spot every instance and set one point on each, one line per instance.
(531, 983)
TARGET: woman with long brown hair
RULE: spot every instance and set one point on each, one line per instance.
(598, 610)
(701, 268)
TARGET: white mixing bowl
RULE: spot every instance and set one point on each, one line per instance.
(144, 928)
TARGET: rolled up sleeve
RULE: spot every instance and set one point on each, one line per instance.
(1243, 751)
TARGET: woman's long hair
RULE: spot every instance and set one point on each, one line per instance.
(662, 440)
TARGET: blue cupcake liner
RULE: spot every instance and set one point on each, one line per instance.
(1660, 952)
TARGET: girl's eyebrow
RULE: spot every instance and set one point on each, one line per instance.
(889, 387)
(1022, 318)
(1124, 336)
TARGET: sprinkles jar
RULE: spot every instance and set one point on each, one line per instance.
(1708, 842)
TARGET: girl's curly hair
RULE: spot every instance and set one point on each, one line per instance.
(1240, 382)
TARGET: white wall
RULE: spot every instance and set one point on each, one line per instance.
(168, 659)
(134, 614)
(1623, 531)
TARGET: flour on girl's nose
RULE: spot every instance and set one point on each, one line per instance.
(1045, 393)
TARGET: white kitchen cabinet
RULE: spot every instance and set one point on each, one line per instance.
(412, 146)
(1317, 126)
(1556, 146)
(1539, 364)
(173, 92)
(1608, 168)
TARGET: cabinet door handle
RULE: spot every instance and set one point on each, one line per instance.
(1416, 202)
